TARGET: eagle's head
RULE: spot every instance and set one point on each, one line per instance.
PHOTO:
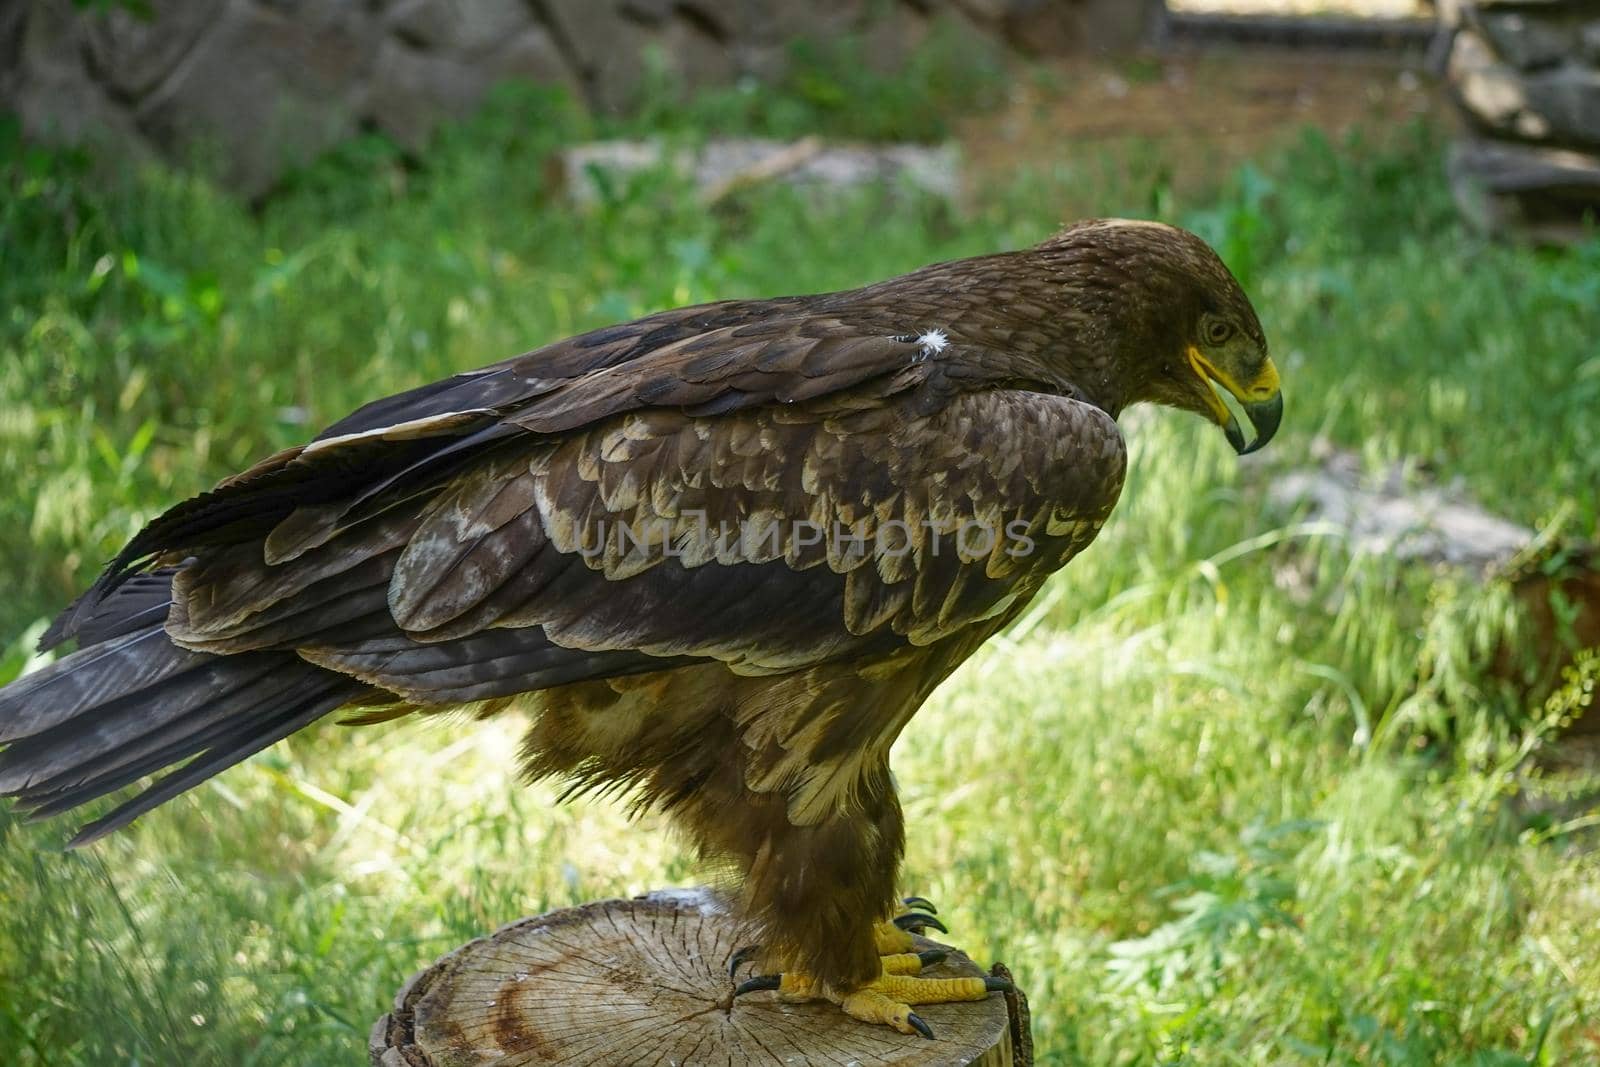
(1184, 325)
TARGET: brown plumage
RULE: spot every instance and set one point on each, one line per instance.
(727, 551)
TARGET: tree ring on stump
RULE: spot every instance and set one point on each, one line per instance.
(620, 983)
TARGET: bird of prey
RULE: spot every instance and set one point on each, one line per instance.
(719, 555)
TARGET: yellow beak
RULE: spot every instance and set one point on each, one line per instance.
(1261, 398)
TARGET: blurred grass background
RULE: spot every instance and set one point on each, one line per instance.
(1227, 794)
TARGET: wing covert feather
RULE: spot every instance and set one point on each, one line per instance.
(768, 540)
(790, 541)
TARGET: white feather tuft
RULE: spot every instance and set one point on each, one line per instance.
(933, 342)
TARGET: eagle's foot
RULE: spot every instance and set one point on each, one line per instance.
(910, 962)
(888, 999)
(893, 938)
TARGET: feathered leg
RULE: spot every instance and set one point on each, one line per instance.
(818, 891)
(823, 895)
(820, 895)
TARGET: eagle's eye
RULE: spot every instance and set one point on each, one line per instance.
(1218, 331)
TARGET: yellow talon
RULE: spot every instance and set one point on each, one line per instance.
(892, 941)
(913, 990)
(873, 1007)
(887, 1000)
(902, 963)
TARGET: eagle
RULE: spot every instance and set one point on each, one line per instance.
(719, 556)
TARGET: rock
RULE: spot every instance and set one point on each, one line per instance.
(1546, 194)
(64, 107)
(1589, 43)
(1059, 27)
(1529, 43)
(1559, 104)
(991, 11)
(1556, 585)
(533, 55)
(604, 48)
(412, 90)
(582, 171)
(1567, 100)
(131, 55)
(453, 26)
(1450, 13)
(264, 90)
(1528, 70)
(1526, 74)
(435, 68)
(777, 21)
(648, 12)
(719, 166)
(265, 84)
(893, 37)
(53, 94)
(1112, 25)
(1489, 91)
(694, 49)
(1384, 516)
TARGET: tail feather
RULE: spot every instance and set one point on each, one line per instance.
(247, 736)
(86, 679)
(106, 774)
(140, 602)
(131, 720)
(124, 708)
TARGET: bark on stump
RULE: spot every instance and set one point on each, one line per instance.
(620, 983)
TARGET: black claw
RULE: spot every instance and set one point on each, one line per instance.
(921, 904)
(757, 984)
(917, 921)
(920, 1027)
(740, 957)
(931, 956)
(998, 985)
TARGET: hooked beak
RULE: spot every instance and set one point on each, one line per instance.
(1261, 398)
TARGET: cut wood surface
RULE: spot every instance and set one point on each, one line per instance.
(645, 981)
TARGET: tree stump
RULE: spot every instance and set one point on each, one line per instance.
(620, 983)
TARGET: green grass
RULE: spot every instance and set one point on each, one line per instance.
(1201, 799)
